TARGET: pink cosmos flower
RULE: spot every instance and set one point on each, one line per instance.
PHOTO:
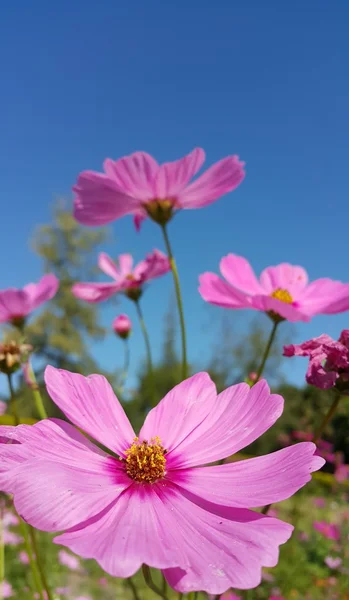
(122, 326)
(16, 304)
(138, 185)
(6, 590)
(282, 291)
(23, 558)
(154, 505)
(68, 560)
(333, 562)
(127, 279)
(328, 360)
(328, 530)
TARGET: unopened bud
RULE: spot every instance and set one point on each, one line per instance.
(122, 326)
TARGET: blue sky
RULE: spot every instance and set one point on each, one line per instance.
(266, 80)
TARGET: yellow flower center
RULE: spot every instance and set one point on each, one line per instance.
(159, 210)
(282, 295)
(145, 461)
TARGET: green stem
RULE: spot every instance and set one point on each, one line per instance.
(126, 362)
(36, 393)
(13, 406)
(146, 337)
(32, 562)
(179, 301)
(180, 595)
(133, 588)
(327, 418)
(39, 563)
(150, 583)
(164, 584)
(267, 350)
(196, 595)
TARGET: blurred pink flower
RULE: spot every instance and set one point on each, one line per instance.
(12, 539)
(23, 557)
(63, 591)
(182, 517)
(127, 279)
(103, 581)
(319, 502)
(342, 473)
(303, 436)
(328, 530)
(6, 590)
(333, 562)
(16, 304)
(328, 360)
(68, 560)
(277, 598)
(303, 536)
(3, 407)
(138, 185)
(282, 291)
(122, 326)
(10, 519)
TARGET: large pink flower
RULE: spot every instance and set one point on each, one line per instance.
(127, 279)
(16, 304)
(281, 291)
(138, 185)
(153, 505)
(328, 361)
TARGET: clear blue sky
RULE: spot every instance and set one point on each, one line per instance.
(84, 80)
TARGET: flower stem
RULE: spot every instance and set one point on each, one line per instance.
(327, 418)
(179, 301)
(39, 563)
(36, 393)
(126, 362)
(267, 350)
(32, 562)
(133, 588)
(146, 337)
(12, 400)
(150, 583)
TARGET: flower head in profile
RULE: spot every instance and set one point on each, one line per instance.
(328, 530)
(17, 304)
(328, 361)
(122, 326)
(128, 279)
(138, 185)
(283, 292)
(158, 503)
(13, 355)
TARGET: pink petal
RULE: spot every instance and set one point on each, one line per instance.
(108, 266)
(181, 411)
(125, 264)
(155, 265)
(239, 273)
(285, 277)
(324, 296)
(42, 291)
(90, 403)
(13, 302)
(98, 200)
(172, 177)
(52, 495)
(287, 311)
(134, 174)
(226, 548)
(95, 292)
(138, 528)
(216, 291)
(237, 418)
(221, 178)
(253, 482)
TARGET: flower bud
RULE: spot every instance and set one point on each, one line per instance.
(122, 326)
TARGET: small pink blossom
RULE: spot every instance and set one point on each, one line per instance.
(160, 504)
(303, 536)
(319, 502)
(68, 560)
(127, 279)
(63, 591)
(9, 519)
(328, 530)
(328, 361)
(12, 539)
(333, 562)
(342, 473)
(6, 590)
(16, 304)
(281, 291)
(23, 558)
(122, 326)
(138, 185)
(3, 407)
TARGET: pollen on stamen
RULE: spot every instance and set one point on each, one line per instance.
(145, 461)
(282, 295)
